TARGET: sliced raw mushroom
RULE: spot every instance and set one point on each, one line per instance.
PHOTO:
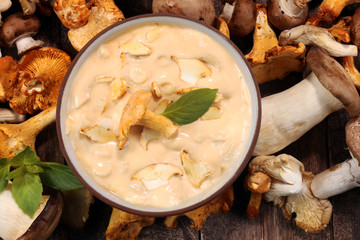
(240, 17)
(74, 13)
(349, 66)
(343, 176)
(287, 115)
(42, 72)
(222, 203)
(192, 69)
(9, 72)
(99, 134)
(18, 29)
(103, 13)
(4, 6)
(15, 224)
(202, 10)
(328, 11)
(285, 14)
(9, 116)
(153, 34)
(104, 79)
(355, 28)
(16, 137)
(267, 59)
(135, 48)
(118, 88)
(136, 113)
(213, 113)
(155, 90)
(76, 207)
(125, 225)
(156, 175)
(290, 190)
(195, 171)
(317, 36)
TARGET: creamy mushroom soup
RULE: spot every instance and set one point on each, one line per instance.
(152, 169)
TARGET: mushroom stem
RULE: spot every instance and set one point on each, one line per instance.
(227, 11)
(9, 116)
(27, 43)
(158, 123)
(287, 115)
(15, 137)
(338, 179)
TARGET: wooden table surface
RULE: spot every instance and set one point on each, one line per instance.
(322, 147)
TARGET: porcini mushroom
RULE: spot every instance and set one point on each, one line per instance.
(287, 115)
(240, 17)
(16, 137)
(317, 36)
(19, 29)
(290, 190)
(267, 59)
(355, 28)
(125, 225)
(136, 113)
(38, 86)
(4, 6)
(15, 224)
(103, 13)
(74, 13)
(285, 14)
(328, 11)
(202, 10)
(222, 203)
(343, 176)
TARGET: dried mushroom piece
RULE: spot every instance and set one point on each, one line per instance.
(118, 88)
(267, 59)
(99, 134)
(195, 171)
(42, 72)
(125, 225)
(9, 71)
(103, 13)
(153, 34)
(156, 175)
(222, 203)
(136, 113)
(155, 90)
(135, 48)
(192, 69)
(72, 13)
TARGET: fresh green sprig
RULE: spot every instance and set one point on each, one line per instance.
(30, 175)
(190, 106)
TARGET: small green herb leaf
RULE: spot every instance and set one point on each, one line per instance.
(27, 190)
(26, 156)
(34, 169)
(190, 106)
(58, 176)
(4, 171)
(16, 173)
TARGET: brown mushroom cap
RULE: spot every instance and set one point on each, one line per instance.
(17, 26)
(243, 18)
(352, 132)
(8, 76)
(281, 20)
(355, 28)
(47, 221)
(42, 72)
(334, 78)
(202, 10)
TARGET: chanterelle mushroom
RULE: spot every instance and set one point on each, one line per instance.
(287, 115)
(42, 72)
(290, 190)
(19, 29)
(240, 17)
(202, 10)
(285, 14)
(73, 13)
(317, 36)
(4, 6)
(267, 59)
(355, 28)
(346, 175)
(9, 71)
(136, 113)
(15, 224)
(103, 13)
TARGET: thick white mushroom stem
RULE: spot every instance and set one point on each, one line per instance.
(27, 43)
(227, 11)
(338, 179)
(287, 115)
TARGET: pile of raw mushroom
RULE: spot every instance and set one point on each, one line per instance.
(31, 85)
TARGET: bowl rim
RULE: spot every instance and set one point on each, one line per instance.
(185, 209)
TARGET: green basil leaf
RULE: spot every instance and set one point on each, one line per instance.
(190, 106)
(34, 169)
(15, 173)
(4, 171)
(58, 176)
(27, 190)
(26, 156)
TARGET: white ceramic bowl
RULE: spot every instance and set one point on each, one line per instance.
(224, 181)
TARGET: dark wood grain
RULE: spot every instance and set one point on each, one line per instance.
(321, 147)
